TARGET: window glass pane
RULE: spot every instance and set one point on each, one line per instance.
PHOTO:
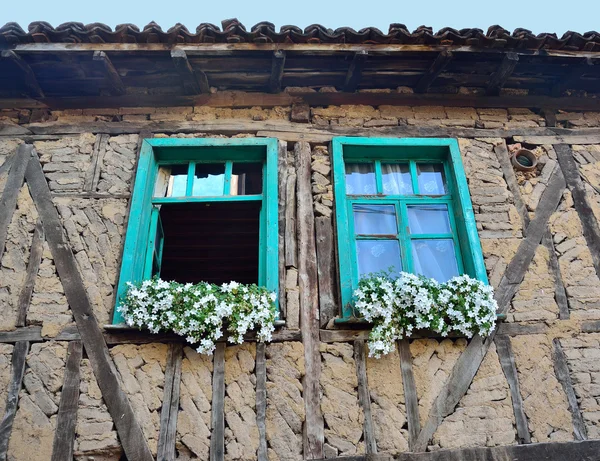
(171, 181)
(209, 179)
(432, 180)
(377, 256)
(396, 179)
(360, 179)
(429, 219)
(375, 219)
(246, 179)
(435, 259)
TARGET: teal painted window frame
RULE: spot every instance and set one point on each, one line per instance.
(409, 150)
(143, 215)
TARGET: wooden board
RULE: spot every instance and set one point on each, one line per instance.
(326, 265)
(33, 266)
(410, 392)
(364, 398)
(64, 436)
(261, 401)
(217, 436)
(170, 404)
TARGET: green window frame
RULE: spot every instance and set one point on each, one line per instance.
(410, 152)
(143, 248)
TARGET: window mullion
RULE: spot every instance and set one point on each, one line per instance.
(457, 248)
(227, 184)
(404, 236)
(190, 179)
(378, 177)
(414, 177)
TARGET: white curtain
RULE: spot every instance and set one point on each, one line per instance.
(396, 179)
(360, 179)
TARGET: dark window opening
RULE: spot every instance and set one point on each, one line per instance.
(212, 242)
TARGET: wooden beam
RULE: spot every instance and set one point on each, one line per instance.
(18, 363)
(129, 431)
(502, 74)
(8, 201)
(170, 404)
(261, 401)
(194, 82)
(507, 362)
(282, 205)
(30, 81)
(313, 438)
(217, 436)
(574, 75)
(326, 264)
(291, 247)
(354, 73)
(364, 398)
(64, 436)
(533, 139)
(277, 66)
(591, 229)
(92, 175)
(411, 398)
(33, 266)
(113, 79)
(561, 368)
(436, 68)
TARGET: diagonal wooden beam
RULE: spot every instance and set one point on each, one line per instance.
(354, 73)
(116, 86)
(64, 436)
(469, 361)
(277, 66)
(29, 79)
(8, 201)
(194, 82)
(33, 266)
(574, 75)
(436, 68)
(504, 71)
(129, 431)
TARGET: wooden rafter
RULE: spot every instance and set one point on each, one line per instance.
(574, 75)
(33, 87)
(436, 68)
(277, 67)
(354, 73)
(502, 74)
(113, 79)
(194, 82)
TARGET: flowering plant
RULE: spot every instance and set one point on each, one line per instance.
(397, 307)
(199, 311)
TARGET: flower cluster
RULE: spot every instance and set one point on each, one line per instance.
(397, 307)
(199, 311)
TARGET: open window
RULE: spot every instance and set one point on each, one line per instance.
(203, 210)
(402, 205)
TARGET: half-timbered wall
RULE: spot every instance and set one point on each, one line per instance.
(71, 389)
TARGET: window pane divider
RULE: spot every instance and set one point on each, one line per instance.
(413, 176)
(227, 182)
(430, 236)
(190, 179)
(378, 177)
(229, 198)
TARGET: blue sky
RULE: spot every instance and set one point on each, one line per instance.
(538, 16)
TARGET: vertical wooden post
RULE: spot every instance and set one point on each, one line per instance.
(170, 404)
(363, 396)
(217, 437)
(411, 398)
(261, 400)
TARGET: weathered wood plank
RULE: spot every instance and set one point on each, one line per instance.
(32, 333)
(291, 250)
(326, 269)
(170, 404)
(574, 75)
(33, 266)
(64, 436)
(507, 361)
(436, 68)
(19, 356)
(5, 167)
(591, 229)
(541, 140)
(217, 436)
(309, 304)
(282, 168)
(561, 369)
(410, 392)
(277, 67)
(560, 294)
(12, 129)
(92, 175)
(261, 401)
(8, 201)
(364, 398)
(354, 73)
(502, 74)
(590, 326)
(29, 79)
(516, 329)
(130, 433)
(193, 82)
(113, 79)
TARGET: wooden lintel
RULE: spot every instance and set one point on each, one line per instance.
(576, 72)
(113, 78)
(502, 74)
(33, 87)
(193, 82)
(277, 66)
(436, 68)
(355, 69)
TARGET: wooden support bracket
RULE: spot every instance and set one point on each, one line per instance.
(33, 87)
(436, 68)
(277, 66)
(113, 79)
(354, 73)
(504, 71)
(194, 82)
